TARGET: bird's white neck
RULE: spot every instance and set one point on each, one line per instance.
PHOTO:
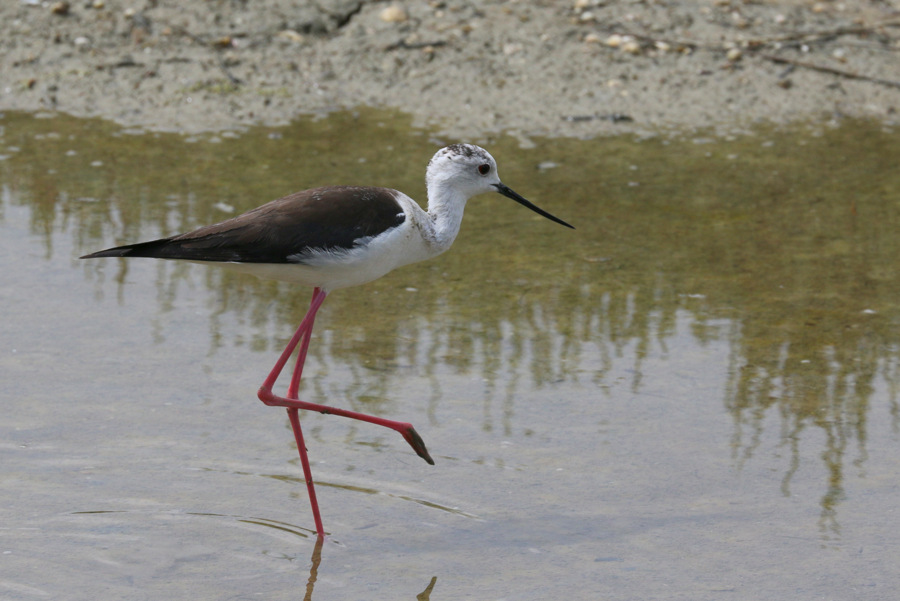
(445, 208)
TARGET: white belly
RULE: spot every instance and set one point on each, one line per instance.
(333, 270)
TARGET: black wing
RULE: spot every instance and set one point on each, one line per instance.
(329, 218)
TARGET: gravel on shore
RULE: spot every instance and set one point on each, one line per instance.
(467, 69)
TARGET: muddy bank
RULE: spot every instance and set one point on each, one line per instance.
(574, 68)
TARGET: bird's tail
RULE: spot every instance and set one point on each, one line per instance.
(155, 249)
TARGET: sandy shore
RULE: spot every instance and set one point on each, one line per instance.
(572, 68)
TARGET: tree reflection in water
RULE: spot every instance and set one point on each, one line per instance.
(782, 244)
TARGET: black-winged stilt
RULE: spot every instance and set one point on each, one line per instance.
(335, 237)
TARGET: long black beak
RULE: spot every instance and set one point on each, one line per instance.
(510, 193)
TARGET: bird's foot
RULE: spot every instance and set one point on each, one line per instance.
(416, 442)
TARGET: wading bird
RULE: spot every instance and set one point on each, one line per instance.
(335, 237)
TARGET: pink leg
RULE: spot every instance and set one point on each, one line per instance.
(293, 413)
(307, 472)
(304, 343)
(303, 331)
(293, 404)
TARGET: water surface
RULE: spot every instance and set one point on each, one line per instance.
(693, 394)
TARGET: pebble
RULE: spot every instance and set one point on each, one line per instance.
(734, 55)
(512, 48)
(631, 47)
(393, 14)
(290, 35)
(60, 8)
(626, 43)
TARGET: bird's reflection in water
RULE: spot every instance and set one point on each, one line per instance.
(314, 568)
(316, 560)
(426, 594)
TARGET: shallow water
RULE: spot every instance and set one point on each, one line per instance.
(693, 395)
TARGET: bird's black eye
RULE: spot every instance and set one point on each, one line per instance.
(484, 169)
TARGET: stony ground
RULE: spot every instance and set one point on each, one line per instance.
(527, 67)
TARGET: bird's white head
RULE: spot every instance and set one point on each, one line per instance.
(464, 169)
(459, 172)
